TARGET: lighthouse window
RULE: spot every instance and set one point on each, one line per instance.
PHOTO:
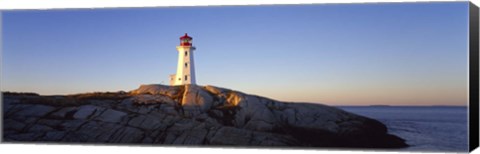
(186, 54)
(185, 78)
(186, 65)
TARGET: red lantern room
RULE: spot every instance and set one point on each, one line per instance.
(185, 40)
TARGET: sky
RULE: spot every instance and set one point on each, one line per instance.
(335, 54)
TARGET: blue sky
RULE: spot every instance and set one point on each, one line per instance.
(337, 54)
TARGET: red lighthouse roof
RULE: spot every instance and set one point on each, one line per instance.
(185, 37)
(186, 40)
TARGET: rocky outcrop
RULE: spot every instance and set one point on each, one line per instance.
(187, 115)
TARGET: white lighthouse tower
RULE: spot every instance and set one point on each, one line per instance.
(185, 68)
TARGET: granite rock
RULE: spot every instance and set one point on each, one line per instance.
(188, 115)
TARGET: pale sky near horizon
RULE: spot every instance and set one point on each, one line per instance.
(336, 54)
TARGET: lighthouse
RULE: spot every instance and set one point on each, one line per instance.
(185, 66)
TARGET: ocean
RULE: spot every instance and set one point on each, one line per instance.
(435, 128)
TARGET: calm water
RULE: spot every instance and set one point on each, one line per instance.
(424, 128)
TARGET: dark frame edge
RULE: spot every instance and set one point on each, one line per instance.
(473, 77)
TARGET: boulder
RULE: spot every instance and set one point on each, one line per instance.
(195, 100)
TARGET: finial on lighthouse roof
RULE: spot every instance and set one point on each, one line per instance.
(185, 36)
